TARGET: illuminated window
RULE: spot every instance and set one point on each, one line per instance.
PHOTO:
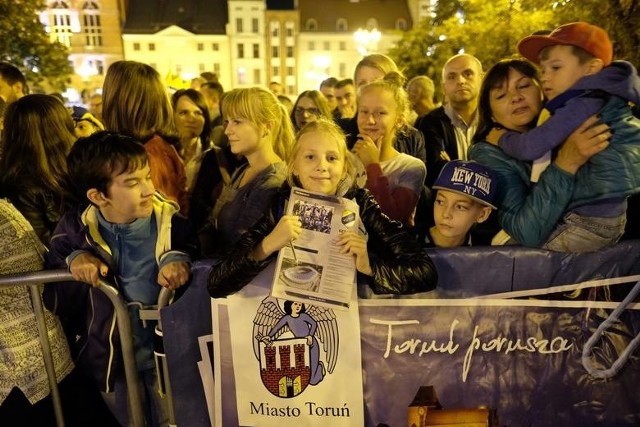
(401, 24)
(372, 24)
(61, 28)
(311, 25)
(92, 26)
(99, 66)
(242, 75)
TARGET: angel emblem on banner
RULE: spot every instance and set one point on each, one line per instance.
(287, 342)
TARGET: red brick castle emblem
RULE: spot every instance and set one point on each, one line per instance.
(287, 344)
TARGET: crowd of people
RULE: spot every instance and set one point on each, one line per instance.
(142, 182)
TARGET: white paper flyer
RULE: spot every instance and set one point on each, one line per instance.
(311, 269)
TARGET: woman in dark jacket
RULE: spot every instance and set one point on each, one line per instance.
(390, 259)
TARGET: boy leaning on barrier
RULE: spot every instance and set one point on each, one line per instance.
(130, 235)
(465, 193)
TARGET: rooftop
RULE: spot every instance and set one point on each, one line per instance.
(357, 13)
(196, 16)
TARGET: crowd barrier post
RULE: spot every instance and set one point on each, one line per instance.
(164, 300)
(124, 328)
(38, 311)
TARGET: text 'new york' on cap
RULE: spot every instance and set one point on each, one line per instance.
(470, 179)
(590, 38)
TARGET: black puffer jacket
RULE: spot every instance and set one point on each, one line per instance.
(399, 265)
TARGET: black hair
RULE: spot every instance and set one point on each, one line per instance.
(288, 310)
(95, 160)
(495, 77)
(198, 99)
(344, 82)
(12, 75)
(329, 81)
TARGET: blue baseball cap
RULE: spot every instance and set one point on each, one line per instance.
(468, 178)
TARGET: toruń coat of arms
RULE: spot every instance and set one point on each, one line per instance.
(296, 345)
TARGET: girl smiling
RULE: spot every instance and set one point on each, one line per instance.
(389, 259)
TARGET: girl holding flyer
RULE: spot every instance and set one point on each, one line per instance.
(390, 260)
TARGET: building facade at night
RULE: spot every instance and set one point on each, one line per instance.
(297, 43)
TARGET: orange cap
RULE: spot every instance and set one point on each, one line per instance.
(591, 38)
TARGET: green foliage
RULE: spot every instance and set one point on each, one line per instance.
(24, 43)
(491, 29)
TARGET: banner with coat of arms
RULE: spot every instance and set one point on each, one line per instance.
(291, 362)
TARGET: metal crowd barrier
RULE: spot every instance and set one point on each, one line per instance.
(164, 299)
(32, 280)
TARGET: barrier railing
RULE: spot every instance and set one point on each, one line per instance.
(32, 280)
(163, 300)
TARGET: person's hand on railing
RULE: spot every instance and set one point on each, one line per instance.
(89, 269)
(173, 275)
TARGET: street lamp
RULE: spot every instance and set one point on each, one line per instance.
(367, 40)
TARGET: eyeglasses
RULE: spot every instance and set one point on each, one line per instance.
(299, 111)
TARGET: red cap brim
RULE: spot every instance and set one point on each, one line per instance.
(531, 46)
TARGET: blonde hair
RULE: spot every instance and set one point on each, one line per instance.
(135, 102)
(393, 83)
(333, 132)
(378, 61)
(260, 106)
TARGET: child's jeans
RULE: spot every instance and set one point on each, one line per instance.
(155, 407)
(579, 233)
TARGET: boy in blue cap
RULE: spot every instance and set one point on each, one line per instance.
(464, 197)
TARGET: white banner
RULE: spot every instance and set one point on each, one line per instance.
(293, 364)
